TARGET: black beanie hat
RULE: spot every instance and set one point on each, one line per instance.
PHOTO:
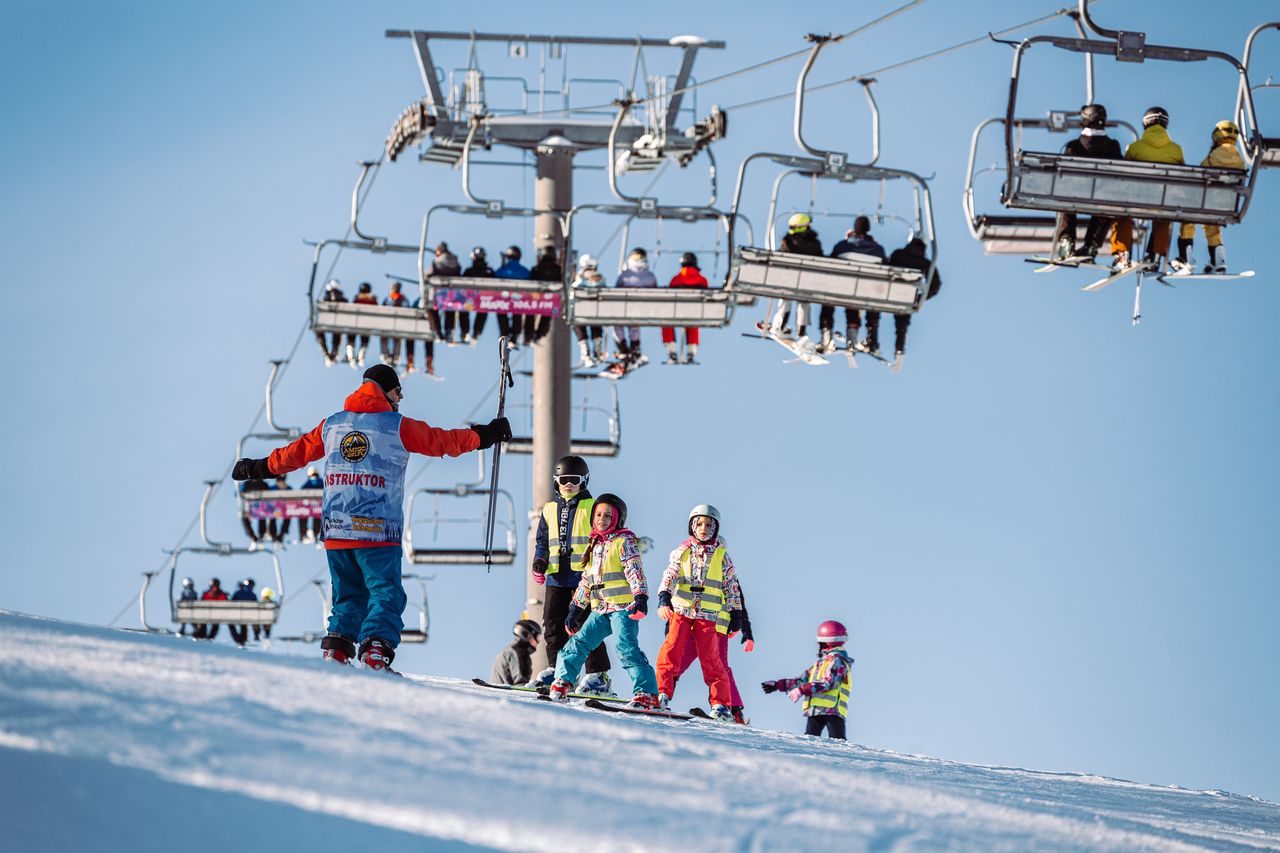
(385, 375)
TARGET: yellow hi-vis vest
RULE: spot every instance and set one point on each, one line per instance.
(611, 586)
(710, 591)
(579, 532)
(837, 698)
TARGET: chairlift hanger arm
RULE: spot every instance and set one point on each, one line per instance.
(1253, 144)
(552, 39)
(365, 166)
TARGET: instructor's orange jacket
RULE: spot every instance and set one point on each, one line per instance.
(417, 437)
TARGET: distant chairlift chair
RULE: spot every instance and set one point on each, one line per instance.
(435, 554)
(582, 445)
(1267, 151)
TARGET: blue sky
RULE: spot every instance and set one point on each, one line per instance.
(1049, 535)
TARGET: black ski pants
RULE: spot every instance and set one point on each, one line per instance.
(239, 633)
(555, 607)
(901, 322)
(248, 529)
(1094, 234)
(833, 723)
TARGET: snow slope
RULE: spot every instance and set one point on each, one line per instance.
(112, 740)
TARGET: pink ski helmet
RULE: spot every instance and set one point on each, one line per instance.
(832, 632)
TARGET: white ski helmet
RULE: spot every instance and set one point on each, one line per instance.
(707, 510)
(587, 262)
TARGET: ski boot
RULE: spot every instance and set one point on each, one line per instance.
(868, 345)
(663, 701)
(338, 649)
(430, 369)
(828, 343)
(1217, 260)
(738, 715)
(721, 714)
(644, 701)
(1064, 250)
(377, 654)
(328, 360)
(672, 357)
(898, 357)
(351, 356)
(585, 352)
(360, 358)
(595, 683)
(560, 690)
(408, 367)
(543, 679)
(1120, 263)
(691, 354)
(1184, 264)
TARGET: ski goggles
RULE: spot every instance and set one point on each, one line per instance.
(570, 480)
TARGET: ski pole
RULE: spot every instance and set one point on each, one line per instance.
(504, 380)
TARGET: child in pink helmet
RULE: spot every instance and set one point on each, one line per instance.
(825, 685)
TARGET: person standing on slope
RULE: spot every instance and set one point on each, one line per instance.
(514, 664)
(366, 449)
(613, 592)
(824, 685)
(699, 590)
(564, 532)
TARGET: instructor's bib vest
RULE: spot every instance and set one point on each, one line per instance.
(364, 476)
(611, 587)
(579, 532)
(835, 700)
(710, 593)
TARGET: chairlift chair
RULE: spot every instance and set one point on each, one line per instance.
(1267, 151)
(435, 554)
(582, 445)
(841, 282)
(1125, 188)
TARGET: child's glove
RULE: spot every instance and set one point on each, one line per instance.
(639, 608)
(540, 572)
(795, 693)
(573, 621)
(735, 622)
(748, 646)
(769, 686)
(664, 606)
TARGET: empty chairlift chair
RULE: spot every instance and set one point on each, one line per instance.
(1266, 151)
(583, 444)
(454, 551)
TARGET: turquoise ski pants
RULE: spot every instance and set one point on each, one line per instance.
(593, 631)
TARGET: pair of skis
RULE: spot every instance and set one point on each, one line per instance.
(601, 703)
(806, 351)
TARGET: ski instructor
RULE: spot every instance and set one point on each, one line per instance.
(366, 449)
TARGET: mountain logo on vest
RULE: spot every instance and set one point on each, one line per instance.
(354, 446)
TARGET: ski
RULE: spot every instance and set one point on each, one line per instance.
(807, 354)
(644, 712)
(1055, 264)
(1116, 276)
(480, 682)
(543, 691)
(620, 369)
(1171, 278)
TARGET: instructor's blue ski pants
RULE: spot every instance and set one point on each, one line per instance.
(368, 595)
(593, 631)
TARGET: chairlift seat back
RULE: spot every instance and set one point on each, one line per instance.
(459, 556)
(1021, 235)
(1269, 156)
(577, 446)
(380, 320)
(652, 306)
(829, 281)
(1044, 181)
(226, 612)
(282, 503)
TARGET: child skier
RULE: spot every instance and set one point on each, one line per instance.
(613, 591)
(699, 590)
(1223, 154)
(564, 532)
(514, 664)
(824, 685)
(739, 621)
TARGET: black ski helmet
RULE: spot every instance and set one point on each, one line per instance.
(1093, 115)
(512, 252)
(247, 583)
(477, 254)
(1155, 115)
(366, 287)
(573, 465)
(689, 259)
(215, 582)
(619, 507)
(527, 630)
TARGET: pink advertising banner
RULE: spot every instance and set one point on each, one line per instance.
(300, 508)
(499, 301)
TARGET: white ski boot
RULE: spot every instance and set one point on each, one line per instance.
(585, 352)
(351, 356)
(1217, 260)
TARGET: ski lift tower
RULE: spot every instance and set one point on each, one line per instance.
(451, 123)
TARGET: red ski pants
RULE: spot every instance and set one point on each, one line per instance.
(690, 335)
(689, 638)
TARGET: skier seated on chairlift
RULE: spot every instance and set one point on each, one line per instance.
(546, 269)
(445, 263)
(912, 256)
(1154, 146)
(268, 596)
(1093, 142)
(332, 293)
(636, 274)
(509, 325)
(188, 594)
(213, 593)
(428, 347)
(311, 526)
(689, 276)
(279, 528)
(479, 269)
(590, 338)
(1223, 154)
(514, 664)
(255, 536)
(244, 592)
(391, 346)
(857, 245)
(801, 239)
(364, 296)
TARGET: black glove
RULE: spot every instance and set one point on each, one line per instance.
(640, 605)
(664, 599)
(735, 621)
(573, 621)
(539, 567)
(496, 430)
(769, 686)
(251, 469)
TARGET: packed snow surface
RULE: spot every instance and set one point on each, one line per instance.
(112, 740)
